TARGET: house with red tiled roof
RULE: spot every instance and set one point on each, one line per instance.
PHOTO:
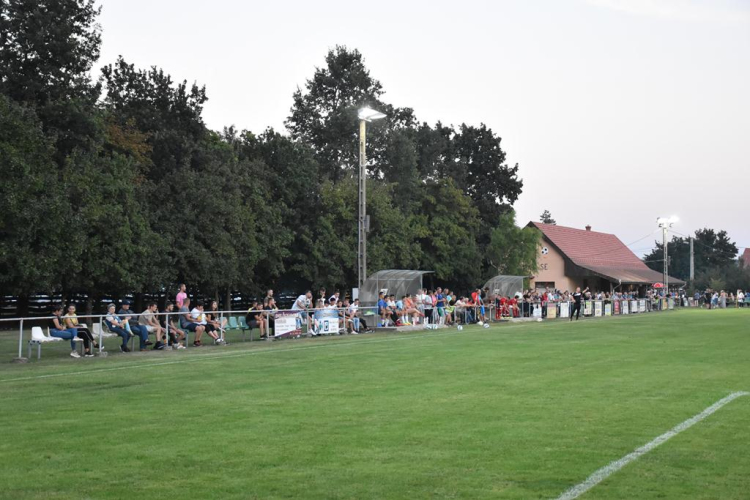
(745, 258)
(571, 257)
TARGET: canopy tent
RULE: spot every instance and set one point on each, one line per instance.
(396, 281)
(505, 286)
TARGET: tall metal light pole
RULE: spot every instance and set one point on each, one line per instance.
(365, 115)
(665, 224)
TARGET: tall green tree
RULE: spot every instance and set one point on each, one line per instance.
(546, 218)
(33, 204)
(324, 115)
(513, 250)
(46, 52)
(713, 250)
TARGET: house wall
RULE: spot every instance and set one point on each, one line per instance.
(551, 269)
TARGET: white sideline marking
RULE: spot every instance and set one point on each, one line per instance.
(201, 357)
(603, 473)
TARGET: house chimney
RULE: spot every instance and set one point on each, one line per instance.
(588, 228)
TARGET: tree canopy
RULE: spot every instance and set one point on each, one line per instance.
(115, 184)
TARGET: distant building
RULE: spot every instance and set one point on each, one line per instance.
(570, 257)
(745, 258)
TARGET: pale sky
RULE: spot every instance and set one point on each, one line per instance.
(617, 111)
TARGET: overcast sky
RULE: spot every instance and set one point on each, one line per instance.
(617, 111)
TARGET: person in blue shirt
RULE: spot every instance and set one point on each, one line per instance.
(382, 309)
(440, 305)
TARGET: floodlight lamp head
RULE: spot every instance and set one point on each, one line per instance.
(369, 114)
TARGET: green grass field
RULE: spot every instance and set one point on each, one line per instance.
(514, 411)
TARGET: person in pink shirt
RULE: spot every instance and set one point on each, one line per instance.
(181, 296)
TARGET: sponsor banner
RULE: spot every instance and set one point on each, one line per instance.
(564, 309)
(671, 303)
(633, 306)
(642, 306)
(537, 311)
(617, 307)
(326, 321)
(587, 308)
(625, 307)
(551, 311)
(608, 309)
(286, 325)
(598, 309)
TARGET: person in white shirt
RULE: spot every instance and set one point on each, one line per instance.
(302, 304)
(199, 318)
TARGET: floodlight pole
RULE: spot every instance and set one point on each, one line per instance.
(666, 259)
(665, 224)
(361, 229)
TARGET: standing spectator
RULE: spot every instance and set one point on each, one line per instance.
(440, 305)
(577, 296)
(302, 304)
(181, 295)
(117, 325)
(137, 329)
(740, 298)
(57, 329)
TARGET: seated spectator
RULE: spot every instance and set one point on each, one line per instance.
(215, 318)
(148, 320)
(117, 325)
(270, 306)
(71, 321)
(187, 323)
(411, 311)
(57, 329)
(383, 311)
(142, 332)
(256, 319)
(198, 316)
(176, 334)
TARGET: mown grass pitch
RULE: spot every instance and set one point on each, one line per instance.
(515, 411)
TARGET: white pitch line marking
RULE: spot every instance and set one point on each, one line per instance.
(603, 473)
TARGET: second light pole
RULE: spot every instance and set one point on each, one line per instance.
(665, 224)
(365, 115)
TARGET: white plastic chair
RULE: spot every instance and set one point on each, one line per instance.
(101, 333)
(38, 338)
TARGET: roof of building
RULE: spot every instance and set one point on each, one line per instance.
(601, 253)
(746, 257)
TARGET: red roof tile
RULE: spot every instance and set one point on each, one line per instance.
(600, 252)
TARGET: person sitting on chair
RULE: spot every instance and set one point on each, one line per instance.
(71, 321)
(57, 329)
(117, 325)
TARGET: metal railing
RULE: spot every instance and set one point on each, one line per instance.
(317, 321)
(294, 323)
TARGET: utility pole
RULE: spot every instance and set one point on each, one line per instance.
(692, 262)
